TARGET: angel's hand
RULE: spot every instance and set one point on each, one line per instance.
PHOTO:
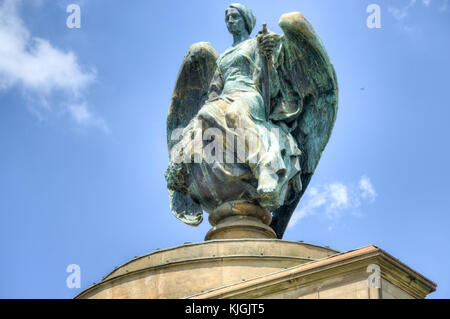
(267, 42)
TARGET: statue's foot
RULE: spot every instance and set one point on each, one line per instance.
(268, 190)
(268, 200)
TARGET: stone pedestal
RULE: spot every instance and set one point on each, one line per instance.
(240, 219)
(262, 268)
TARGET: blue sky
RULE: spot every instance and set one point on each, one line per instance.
(83, 147)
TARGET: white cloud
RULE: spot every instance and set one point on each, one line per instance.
(339, 196)
(39, 68)
(82, 116)
(442, 8)
(367, 190)
(401, 13)
(334, 199)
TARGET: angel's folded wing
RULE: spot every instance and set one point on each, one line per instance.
(308, 72)
(191, 89)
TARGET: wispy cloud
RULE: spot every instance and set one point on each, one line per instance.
(82, 116)
(41, 69)
(367, 190)
(334, 199)
(442, 7)
(401, 13)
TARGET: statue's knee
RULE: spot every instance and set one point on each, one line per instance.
(204, 115)
(201, 113)
(232, 119)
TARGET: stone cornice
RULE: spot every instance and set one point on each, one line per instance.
(392, 270)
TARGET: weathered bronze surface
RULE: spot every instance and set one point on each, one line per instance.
(236, 135)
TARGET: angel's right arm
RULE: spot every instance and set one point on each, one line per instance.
(216, 86)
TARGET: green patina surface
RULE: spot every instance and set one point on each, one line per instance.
(224, 94)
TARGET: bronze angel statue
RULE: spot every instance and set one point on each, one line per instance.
(246, 128)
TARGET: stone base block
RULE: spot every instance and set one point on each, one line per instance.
(262, 268)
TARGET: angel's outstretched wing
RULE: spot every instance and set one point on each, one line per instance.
(310, 79)
(191, 89)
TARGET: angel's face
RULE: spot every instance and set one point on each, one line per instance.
(235, 22)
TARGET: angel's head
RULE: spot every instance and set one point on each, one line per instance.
(239, 19)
